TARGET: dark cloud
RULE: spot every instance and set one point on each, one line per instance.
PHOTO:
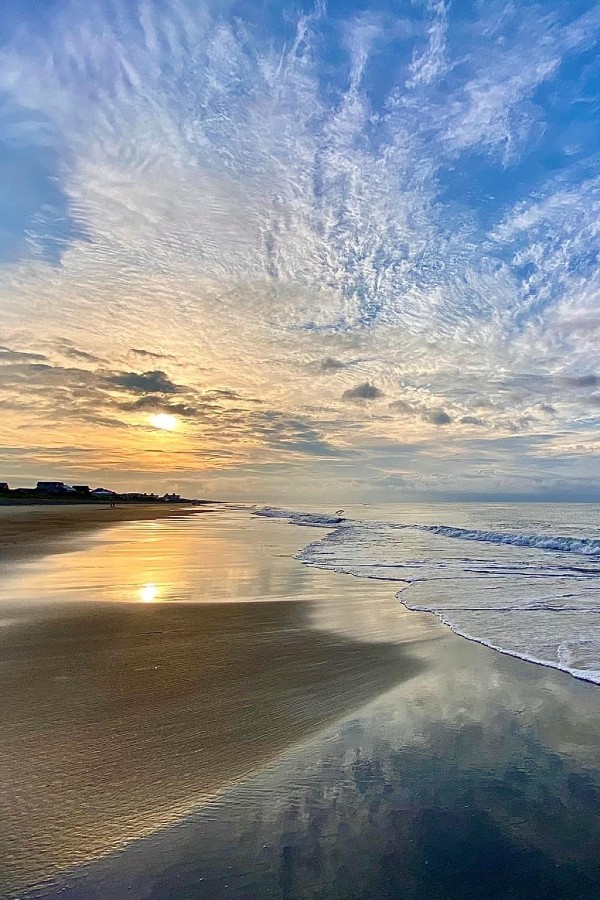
(222, 394)
(284, 432)
(362, 392)
(547, 408)
(594, 399)
(15, 374)
(61, 393)
(332, 365)
(155, 382)
(17, 356)
(154, 404)
(148, 354)
(433, 416)
(580, 380)
(401, 406)
(79, 355)
(521, 423)
(436, 416)
(471, 420)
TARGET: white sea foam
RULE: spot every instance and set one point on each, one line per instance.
(316, 520)
(526, 592)
(583, 546)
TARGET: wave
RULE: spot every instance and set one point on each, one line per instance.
(582, 546)
(316, 520)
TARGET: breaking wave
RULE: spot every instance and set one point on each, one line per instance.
(527, 592)
(583, 546)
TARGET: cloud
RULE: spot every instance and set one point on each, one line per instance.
(401, 406)
(149, 354)
(433, 415)
(11, 356)
(291, 434)
(580, 380)
(494, 110)
(66, 348)
(436, 416)
(471, 420)
(329, 364)
(429, 65)
(219, 205)
(155, 382)
(155, 404)
(362, 392)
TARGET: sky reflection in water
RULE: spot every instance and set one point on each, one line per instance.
(478, 778)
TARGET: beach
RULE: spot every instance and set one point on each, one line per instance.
(190, 711)
(119, 717)
(31, 530)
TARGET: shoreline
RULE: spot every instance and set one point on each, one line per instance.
(579, 674)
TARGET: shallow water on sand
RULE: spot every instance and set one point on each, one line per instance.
(329, 743)
(523, 579)
(479, 778)
(156, 664)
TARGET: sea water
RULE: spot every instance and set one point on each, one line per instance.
(523, 579)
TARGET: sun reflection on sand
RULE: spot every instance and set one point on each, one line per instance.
(148, 593)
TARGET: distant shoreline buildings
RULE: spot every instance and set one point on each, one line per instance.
(60, 492)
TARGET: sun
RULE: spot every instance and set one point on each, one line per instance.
(164, 421)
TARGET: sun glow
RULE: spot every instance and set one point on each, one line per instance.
(164, 421)
(148, 593)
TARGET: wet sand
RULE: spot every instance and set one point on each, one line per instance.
(118, 718)
(168, 704)
(29, 530)
(479, 778)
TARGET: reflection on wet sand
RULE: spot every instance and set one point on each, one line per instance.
(479, 778)
(129, 718)
(118, 717)
(30, 530)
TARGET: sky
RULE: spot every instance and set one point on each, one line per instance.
(302, 252)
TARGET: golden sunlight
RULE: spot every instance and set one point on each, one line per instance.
(164, 421)
(148, 593)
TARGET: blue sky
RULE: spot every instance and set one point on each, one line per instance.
(359, 242)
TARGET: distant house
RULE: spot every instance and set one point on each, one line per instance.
(4, 488)
(54, 487)
(81, 488)
(102, 492)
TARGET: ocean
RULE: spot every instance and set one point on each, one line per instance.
(519, 578)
